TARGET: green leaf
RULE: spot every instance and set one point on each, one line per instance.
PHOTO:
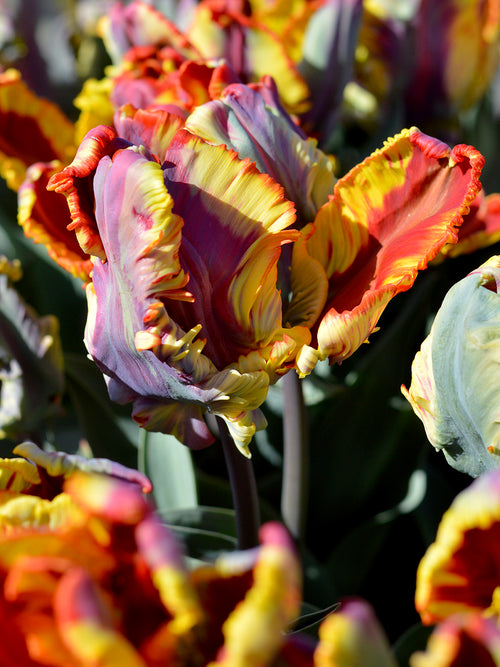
(169, 466)
(414, 639)
(100, 422)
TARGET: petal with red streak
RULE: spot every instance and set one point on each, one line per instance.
(388, 217)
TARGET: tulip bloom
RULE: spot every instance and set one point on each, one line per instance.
(454, 387)
(36, 141)
(151, 56)
(364, 238)
(437, 60)
(154, 291)
(91, 576)
(160, 277)
(460, 571)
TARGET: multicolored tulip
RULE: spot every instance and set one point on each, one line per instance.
(455, 383)
(166, 285)
(154, 62)
(363, 238)
(36, 141)
(207, 221)
(460, 571)
(436, 60)
(90, 576)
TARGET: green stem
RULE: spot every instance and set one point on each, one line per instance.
(243, 489)
(142, 444)
(295, 457)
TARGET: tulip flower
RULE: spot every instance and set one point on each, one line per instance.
(436, 60)
(172, 300)
(363, 238)
(37, 140)
(152, 293)
(454, 386)
(150, 53)
(90, 575)
(460, 572)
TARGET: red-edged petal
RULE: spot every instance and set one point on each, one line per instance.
(388, 217)
(480, 228)
(100, 141)
(44, 217)
(460, 572)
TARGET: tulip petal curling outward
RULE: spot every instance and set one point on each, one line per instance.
(455, 381)
(184, 310)
(460, 572)
(387, 218)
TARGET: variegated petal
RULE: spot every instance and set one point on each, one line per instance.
(388, 217)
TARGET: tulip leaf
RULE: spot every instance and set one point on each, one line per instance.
(169, 466)
(97, 417)
(414, 639)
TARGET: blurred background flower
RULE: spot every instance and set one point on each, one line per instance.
(31, 363)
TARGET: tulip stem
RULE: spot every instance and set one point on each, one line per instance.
(142, 444)
(243, 489)
(295, 457)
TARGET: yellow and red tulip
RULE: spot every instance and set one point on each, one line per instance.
(191, 302)
(89, 575)
(460, 571)
(195, 296)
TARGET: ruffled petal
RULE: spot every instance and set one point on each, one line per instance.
(44, 217)
(262, 131)
(100, 141)
(388, 217)
(480, 228)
